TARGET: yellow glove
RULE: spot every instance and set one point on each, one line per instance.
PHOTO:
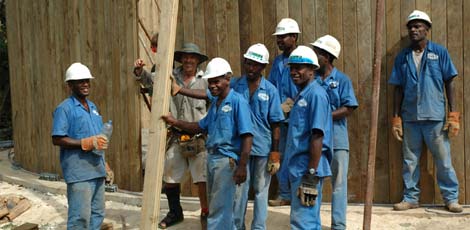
(98, 142)
(175, 88)
(397, 128)
(286, 106)
(452, 124)
(274, 162)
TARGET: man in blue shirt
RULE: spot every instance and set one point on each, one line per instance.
(309, 141)
(343, 102)
(264, 158)
(287, 32)
(229, 127)
(76, 129)
(420, 74)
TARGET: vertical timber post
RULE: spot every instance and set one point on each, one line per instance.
(160, 106)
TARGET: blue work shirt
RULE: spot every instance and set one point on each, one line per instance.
(226, 123)
(341, 92)
(311, 110)
(423, 96)
(281, 79)
(71, 119)
(266, 109)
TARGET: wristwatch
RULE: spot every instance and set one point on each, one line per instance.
(312, 171)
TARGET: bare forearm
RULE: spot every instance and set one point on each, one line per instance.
(190, 127)
(342, 112)
(450, 94)
(66, 142)
(315, 150)
(275, 136)
(247, 141)
(194, 93)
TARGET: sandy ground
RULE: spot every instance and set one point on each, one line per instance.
(50, 212)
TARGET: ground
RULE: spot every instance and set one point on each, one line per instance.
(49, 208)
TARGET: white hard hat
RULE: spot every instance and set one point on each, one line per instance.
(329, 44)
(287, 26)
(258, 53)
(216, 68)
(304, 55)
(419, 15)
(77, 71)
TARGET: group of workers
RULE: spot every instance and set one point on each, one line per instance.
(233, 133)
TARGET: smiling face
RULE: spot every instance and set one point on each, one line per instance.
(189, 62)
(301, 74)
(417, 30)
(80, 88)
(218, 86)
(253, 69)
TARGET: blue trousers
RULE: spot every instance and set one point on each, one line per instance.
(259, 178)
(437, 141)
(220, 192)
(339, 179)
(302, 217)
(283, 173)
(86, 204)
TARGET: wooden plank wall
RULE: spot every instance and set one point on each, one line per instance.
(45, 37)
(106, 36)
(227, 28)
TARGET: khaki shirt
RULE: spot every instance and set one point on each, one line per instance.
(186, 108)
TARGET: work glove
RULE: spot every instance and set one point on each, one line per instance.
(274, 162)
(175, 88)
(109, 174)
(452, 125)
(397, 128)
(286, 106)
(307, 191)
(98, 142)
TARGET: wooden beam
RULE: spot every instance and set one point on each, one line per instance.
(160, 105)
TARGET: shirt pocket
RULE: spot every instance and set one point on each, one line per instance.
(434, 69)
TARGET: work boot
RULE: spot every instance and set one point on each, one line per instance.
(402, 206)
(175, 215)
(204, 216)
(454, 207)
(279, 202)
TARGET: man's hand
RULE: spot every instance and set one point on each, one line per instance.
(98, 142)
(169, 119)
(138, 67)
(274, 162)
(175, 88)
(240, 174)
(286, 106)
(307, 191)
(452, 124)
(397, 128)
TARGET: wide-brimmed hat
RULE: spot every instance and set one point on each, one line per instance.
(190, 48)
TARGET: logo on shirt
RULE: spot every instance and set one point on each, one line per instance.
(95, 112)
(226, 108)
(263, 96)
(302, 103)
(433, 56)
(333, 84)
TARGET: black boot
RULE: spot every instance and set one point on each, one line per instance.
(175, 215)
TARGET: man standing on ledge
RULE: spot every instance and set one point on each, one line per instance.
(423, 76)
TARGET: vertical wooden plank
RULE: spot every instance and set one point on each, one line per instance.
(244, 19)
(211, 30)
(199, 25)
(180, 29)
(295, 12)
(233, 39)
(270, 22)
(309, 21)
(350, 56)
(221, 30)
(455, 45)
(466, 104)
(321, 20)
(335, 28)
(188, 20)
